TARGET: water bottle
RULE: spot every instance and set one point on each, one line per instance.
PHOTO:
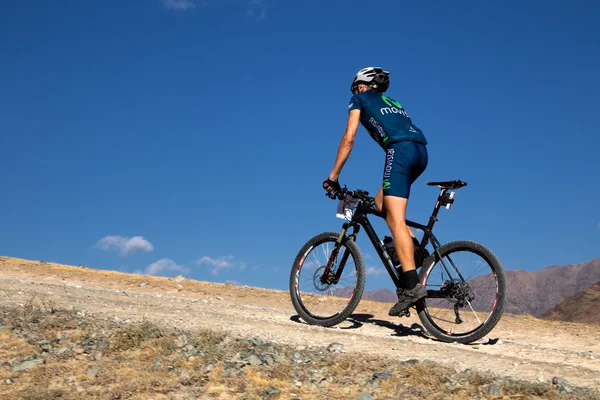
(388, 243)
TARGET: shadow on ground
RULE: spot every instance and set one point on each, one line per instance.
(358, 320)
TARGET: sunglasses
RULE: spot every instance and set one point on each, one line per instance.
(356, 87)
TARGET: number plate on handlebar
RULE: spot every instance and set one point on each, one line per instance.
(345, 208)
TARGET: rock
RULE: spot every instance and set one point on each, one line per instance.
(298, 359)
(188, 348)
(92, 373)
(9, 381)
(271, 393)
(27, 365)
(143, 283)
(208, 367)
(45, 345)
(179, 278)
(383, 376)
(157, 365)
(318, 376)
(268, 359)
(562, 384)
(102, 344)
(493, 390)
(277, 358)
(254, 360)
(428, 363)
(335, 347)
(406, 363)
(365, 396)
(256, 341)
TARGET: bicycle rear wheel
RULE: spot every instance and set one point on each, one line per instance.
(319, 297)
(466, 292)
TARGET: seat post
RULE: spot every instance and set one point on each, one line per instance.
(436, 209)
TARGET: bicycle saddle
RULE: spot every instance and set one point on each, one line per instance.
(452, 185)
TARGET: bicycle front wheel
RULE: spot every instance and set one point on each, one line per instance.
(327, 280)
(466, 292)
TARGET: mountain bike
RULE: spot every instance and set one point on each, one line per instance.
(466, 288)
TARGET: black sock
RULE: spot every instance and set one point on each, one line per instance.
(410, 279)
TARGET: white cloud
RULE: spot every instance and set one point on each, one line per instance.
(179, 4)
(125, 245)
(257, 9)
(220, 264)
(163, 266)
(374, 271)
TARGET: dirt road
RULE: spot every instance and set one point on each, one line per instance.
(528, 348)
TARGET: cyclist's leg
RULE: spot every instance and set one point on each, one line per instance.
(396, 221)
(379, 206)
(405, 162)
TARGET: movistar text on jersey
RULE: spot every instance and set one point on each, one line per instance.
(377, 127)
(393, 110)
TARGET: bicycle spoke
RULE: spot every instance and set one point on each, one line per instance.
(462, 281)
(324, 299)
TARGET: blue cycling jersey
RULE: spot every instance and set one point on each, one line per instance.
(385, 120)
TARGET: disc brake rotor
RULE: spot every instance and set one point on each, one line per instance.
(319, 285)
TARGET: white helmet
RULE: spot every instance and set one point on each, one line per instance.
(375, 77)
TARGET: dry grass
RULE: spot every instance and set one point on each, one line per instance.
(127, 369)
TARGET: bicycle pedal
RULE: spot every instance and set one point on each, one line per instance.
(404, 313)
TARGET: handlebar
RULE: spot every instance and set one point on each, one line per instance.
(357, 194)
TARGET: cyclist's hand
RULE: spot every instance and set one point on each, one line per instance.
(331, 186)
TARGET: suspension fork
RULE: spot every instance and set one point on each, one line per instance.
(341, 239)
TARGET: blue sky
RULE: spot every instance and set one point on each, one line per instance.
(193, 136)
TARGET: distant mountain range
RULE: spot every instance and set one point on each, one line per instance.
(531, 293)
(537, 292)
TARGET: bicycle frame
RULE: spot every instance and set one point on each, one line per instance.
(360, 218)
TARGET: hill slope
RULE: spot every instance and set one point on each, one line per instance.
(528, 348)
(582, 307)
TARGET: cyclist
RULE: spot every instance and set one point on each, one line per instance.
(406, 158)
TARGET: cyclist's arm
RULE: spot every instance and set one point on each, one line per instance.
(346, 144)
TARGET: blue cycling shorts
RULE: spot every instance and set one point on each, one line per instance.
(404, 162)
